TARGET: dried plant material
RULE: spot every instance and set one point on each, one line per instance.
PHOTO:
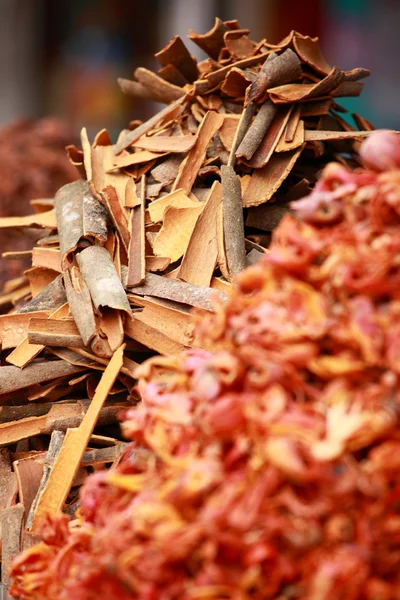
(228, 130)
(136, 254)
(57, 332)
(178, 199)
(323, 136)
(296, 92)
(211, 42)
(257, 130)
(175, 233)
(158, 143)
(242, 127)
(123, 220)
(80, 304)
(190, 166)
(266, 181)
(362, 122)
(170, 321)
(26, 351)
(29, 472)
(175, 53)
(232, 221)
(79, 216)
(152, 338)
(200, 258)
(13, 378)
(297, 139)
(135, 89)
(266, 216)
(348, 88)
(101, 278)
(309, 51)
(135, 158)
(117, 213)
(132, 136)
(159, 89)
(157, 263)
(167, 171)
(316, 108)
(281, 70)
(45, 219)
(270, 140)
(14, 328)
(236, 82)
(47, 257)
(180, 291)
(11, 520)
(74, 445)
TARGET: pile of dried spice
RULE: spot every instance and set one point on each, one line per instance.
(32, 165)
(268, 469)
(159, 223)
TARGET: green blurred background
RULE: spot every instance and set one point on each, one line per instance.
(62, 57)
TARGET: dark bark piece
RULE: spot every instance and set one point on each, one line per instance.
(257, 130)
(270, 140)
(253, 257)
(176, 53)
(180, 291)
(11, 528)
(242, 128)
(13, 378)
(212, 41)
(79, 215)
(266, 216)
(52, 297)
(136, 252)
(167, 171)
(233, 221)
(101, 278)
(283, 69)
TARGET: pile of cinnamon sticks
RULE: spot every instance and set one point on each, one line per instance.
(160, 223)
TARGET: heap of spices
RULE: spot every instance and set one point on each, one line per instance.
(32, 165)
(270, 468)
(160, 223)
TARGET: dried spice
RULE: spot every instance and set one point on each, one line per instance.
(33, 165)
(161, 222)
(267, 469)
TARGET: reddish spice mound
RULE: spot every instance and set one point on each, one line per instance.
(269, 469)
(33, 164)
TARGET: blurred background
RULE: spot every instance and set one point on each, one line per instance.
(63, 57)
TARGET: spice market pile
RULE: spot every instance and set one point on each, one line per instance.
(270, 468)
(160, 223)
